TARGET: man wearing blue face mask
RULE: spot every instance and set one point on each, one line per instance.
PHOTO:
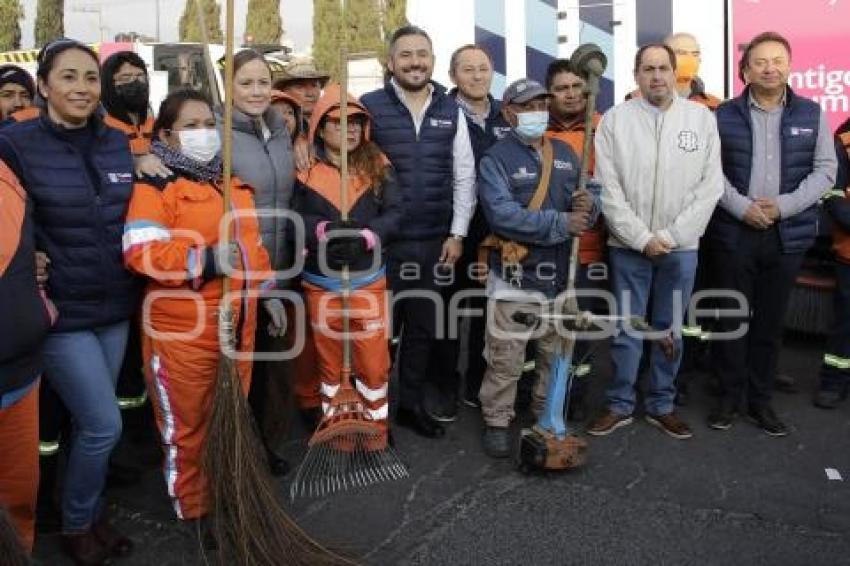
(527, 189)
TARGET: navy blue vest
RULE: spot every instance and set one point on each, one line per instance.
(799, 131)
(495, 128)
(545, 267)
(423, 163)
(24, 322)
(79, 223)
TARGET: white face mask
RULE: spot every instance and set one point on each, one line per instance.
(200, 145)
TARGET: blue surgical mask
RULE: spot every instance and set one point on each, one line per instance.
(531, 125)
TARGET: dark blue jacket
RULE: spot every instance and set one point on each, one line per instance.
(509, 174)
(80, 199)
(799, 131)
(495, 128)
(423, 163)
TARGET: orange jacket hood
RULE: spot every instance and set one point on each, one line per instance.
(329, 102)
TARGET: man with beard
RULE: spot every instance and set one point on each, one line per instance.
(17, 90)
(424, 134)
(658, 159)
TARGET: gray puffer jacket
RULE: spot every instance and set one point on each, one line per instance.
(268, 167)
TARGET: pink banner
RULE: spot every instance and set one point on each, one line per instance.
(819, 33)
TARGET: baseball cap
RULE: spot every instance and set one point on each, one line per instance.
(523, 90)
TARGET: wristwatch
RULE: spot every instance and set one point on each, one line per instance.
(457, 237)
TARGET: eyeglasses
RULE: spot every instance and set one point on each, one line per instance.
(125, 78)
(352, 124)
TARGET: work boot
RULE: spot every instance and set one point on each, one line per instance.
(828, 399)
(442, 407)
(419, 422)
(85, 549)
(670, 424)
(496, 442)
(766, 419)
(723, 416)
(608, 422)
(116, 543)
(784, 383)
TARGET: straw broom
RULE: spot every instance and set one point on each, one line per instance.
(349, 448)
(249, 525)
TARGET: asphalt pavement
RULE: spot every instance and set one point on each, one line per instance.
(733, 497)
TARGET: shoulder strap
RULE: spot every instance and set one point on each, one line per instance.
(546, 172)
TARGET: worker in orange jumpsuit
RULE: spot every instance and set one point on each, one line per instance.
(374, 215)
(566, 123)
(27, 315)
(172, 237)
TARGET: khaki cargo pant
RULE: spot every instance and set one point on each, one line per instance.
(504, 350)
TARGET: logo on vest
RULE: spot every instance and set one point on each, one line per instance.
(118, 178)
(688, 141)
(801, 131)
(566, 165)
(523, 175)
(437, 123)
(501, 131)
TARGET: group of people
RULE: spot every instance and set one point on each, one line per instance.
(111, 241)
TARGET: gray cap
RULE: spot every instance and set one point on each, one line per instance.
(523, 90)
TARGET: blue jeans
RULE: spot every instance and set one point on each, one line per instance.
(634, 277)
(82, 367)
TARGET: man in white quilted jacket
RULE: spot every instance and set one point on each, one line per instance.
(658, 160)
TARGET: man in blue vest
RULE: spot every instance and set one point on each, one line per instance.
(471, 70)
(424, 134)
(778, 160)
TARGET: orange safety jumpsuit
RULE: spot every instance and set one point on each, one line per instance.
(592, 241)
(171, 223)
(139, 136)
(29, 319)
(318, 201)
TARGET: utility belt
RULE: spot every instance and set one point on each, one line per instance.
(513, 253)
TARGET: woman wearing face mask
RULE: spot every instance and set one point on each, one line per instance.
(79, 173)
(374, 209)
(125, 98)
(262, 157)
(172, 237)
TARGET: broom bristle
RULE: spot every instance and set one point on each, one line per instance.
(248, 522)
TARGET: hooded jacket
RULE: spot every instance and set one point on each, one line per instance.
(660, 172)
(318, 192)
(267, 165)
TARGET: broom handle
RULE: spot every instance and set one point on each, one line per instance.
(208, 62)
(227, 128)
(343, 193)
(572, 301)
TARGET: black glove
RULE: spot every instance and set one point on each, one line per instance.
(342, 225)
(345, 250)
